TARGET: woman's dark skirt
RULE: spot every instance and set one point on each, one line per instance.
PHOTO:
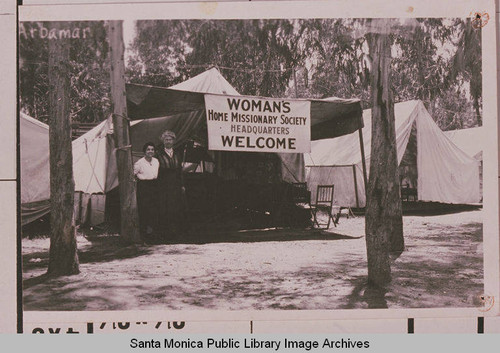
(147, 204)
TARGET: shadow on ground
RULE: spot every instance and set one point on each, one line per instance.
(250, 236)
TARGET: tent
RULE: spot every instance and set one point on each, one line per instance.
(35, 183)
(442, 171)
(471, 142)
(181, 108)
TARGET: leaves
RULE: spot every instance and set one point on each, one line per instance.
(88, 67)
(435, 60)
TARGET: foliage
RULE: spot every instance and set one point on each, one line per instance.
(466, 65)
(338, 64)
(438, 62)
(256, 56)
(88, 66)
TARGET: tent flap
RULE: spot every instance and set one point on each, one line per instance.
(331, 119)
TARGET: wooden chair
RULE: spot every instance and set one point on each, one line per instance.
(324, 202)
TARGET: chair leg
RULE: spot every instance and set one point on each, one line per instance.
(333, 219)
(315, 220)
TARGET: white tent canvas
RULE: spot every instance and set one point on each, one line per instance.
(471, 142)
(35, 183)
(445, 172)
(468, 140)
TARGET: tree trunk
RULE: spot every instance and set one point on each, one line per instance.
(475, 102)
(63, 258)
(384, 220)
(129, 223)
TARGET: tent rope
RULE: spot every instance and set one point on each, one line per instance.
(289, 171)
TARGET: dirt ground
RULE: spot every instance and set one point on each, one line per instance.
(442, 266)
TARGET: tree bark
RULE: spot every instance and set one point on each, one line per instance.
(129, 221)
(479, 121)
(384, 220)
(63, 257)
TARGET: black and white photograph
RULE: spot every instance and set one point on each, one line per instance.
(250, 164)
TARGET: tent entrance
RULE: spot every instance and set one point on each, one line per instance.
(218, 204)
(408, 168)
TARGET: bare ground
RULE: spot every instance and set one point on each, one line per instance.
(442, 266)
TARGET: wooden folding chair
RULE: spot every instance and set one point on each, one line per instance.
(324, 202)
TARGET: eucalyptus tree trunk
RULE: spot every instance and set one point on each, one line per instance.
(63, 257)
(384, 220)
(129, 221)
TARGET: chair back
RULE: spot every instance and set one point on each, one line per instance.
(324, 195)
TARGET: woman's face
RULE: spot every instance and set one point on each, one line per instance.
(150, 151)
(168, 141)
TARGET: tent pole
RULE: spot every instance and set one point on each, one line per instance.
(355, 185)
(363, 159)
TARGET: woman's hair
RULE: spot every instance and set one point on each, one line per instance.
(167, 133)
(146, 145)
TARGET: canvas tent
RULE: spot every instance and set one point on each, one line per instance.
(181, 109)
(35, 190)
(445, 173)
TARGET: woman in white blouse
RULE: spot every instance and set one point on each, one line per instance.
(146, 172)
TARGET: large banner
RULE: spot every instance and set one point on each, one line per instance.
(238, 123)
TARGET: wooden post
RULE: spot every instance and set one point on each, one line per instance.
(63, 258)
(363, 159)
(384, 221)
(129, 222)
(355, 185)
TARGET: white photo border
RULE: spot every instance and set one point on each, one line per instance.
(313, 9)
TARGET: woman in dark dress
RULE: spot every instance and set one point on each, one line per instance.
(171, 207)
